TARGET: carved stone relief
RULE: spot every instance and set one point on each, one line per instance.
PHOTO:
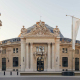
(23, 30)
(56, 31)
(40, 29)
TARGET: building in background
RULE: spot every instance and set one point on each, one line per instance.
(39, 48)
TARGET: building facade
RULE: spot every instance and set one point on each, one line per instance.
(39, 48)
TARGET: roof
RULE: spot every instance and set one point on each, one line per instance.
(11, 40)
(69, 40)
(50, 28)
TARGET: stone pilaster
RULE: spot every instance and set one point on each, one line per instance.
(53, 56)
(48, 57)
(23, 51)
(27, 57)
(31, 56)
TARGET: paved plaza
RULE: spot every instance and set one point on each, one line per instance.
(14, 76)
(40, 78)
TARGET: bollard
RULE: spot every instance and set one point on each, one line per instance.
(17, 72)
(11, 73)
(4, 72)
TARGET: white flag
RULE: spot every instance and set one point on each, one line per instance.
(76, 24)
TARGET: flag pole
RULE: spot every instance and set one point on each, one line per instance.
(0, 21)
(72, 39)
(72, 43)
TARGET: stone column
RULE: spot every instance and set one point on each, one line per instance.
(31, 57)
(23, 51)
(27, 57)
(48, 56)
(53, 56)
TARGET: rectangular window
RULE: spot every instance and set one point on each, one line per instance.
(16, 50)
(65, 61)
(36, 49)
(64, 50)
(76, 51)
(15, 61)
(13, 50)
(43, 49)
(39, 48)
(4, 51)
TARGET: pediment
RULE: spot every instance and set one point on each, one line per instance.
(40, 30)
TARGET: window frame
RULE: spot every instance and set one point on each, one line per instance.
(4, 51)
(76, 51)
(64, 60)
(13, 50)
(17, 50)
(15, 61)
(43, 48)
(64, 50)
(37, 49)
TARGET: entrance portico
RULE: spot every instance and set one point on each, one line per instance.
(39, 36)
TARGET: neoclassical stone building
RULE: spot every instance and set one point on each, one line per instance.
(39, 48)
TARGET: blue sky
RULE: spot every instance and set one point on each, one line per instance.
(16, 13)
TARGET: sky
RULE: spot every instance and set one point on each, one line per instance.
(16, 13)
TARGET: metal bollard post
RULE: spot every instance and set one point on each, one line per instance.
(4, 72)
(11, 73)
(17, 72)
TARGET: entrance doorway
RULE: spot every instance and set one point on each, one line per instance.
(77, 64)
(3, 64)
(40, 64)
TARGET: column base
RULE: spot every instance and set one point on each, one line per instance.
(49, 69)
(58, 69)
(8, 69)
(22, 69)
(28, 69)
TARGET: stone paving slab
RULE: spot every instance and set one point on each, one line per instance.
(40, 78)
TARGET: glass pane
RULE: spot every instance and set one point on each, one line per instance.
(43, 49)
(37, 49)
(65, 61)
(15, 61)
(16, 50)
(13, 50)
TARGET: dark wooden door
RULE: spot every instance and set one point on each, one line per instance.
(40, 64)
(77, 64)
(3, 64)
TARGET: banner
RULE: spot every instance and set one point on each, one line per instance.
(76, 24)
